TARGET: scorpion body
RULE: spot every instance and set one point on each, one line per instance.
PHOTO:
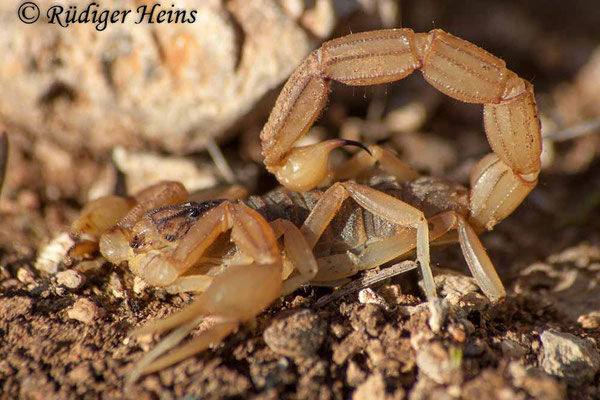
(348, 234)
(354, 227)
(242, 255)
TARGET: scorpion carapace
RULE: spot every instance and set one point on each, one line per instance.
(174, 222)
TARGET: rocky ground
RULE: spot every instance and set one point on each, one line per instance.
(65, 334)
(63, 326)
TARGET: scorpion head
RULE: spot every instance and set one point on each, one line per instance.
(173, 222)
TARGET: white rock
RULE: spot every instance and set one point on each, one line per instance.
(438, 312)
(369, 296)
(70, 278)
(51, 255)
(84, 310)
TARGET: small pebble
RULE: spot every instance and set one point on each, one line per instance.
(81, 374)
(590, 321)
(51, 255)
(452, 284)
(371, 389)
(392, 294)
(368, 296)
(84, 310)
(71, 279)
(454, 391)
(6, 369)
(354, 375)
(568, 356)
(297, 335)
(474, 347)
(25, 275)
(91, 265)
(36, 385)
(146, 342)
(438, 312)
(338, 330)
(536, 382)
(411, 310)
(139, 285)
(4, 273)
(369, 318)
(457, 332)
(440, 364)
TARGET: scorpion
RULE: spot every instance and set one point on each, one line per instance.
(324, 225)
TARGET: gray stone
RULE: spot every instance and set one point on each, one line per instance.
(568, 356)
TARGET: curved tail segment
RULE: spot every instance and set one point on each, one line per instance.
(452, 65)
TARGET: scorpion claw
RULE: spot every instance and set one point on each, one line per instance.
(233, 298)
(154, 362)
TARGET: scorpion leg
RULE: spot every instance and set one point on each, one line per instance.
(338, 266)
(479, 263)
(299, 254)
(249, 231)
(374, 254)
(380, 204)
(191, 283)
(496, 191)
(334, 268)
(236, 295)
